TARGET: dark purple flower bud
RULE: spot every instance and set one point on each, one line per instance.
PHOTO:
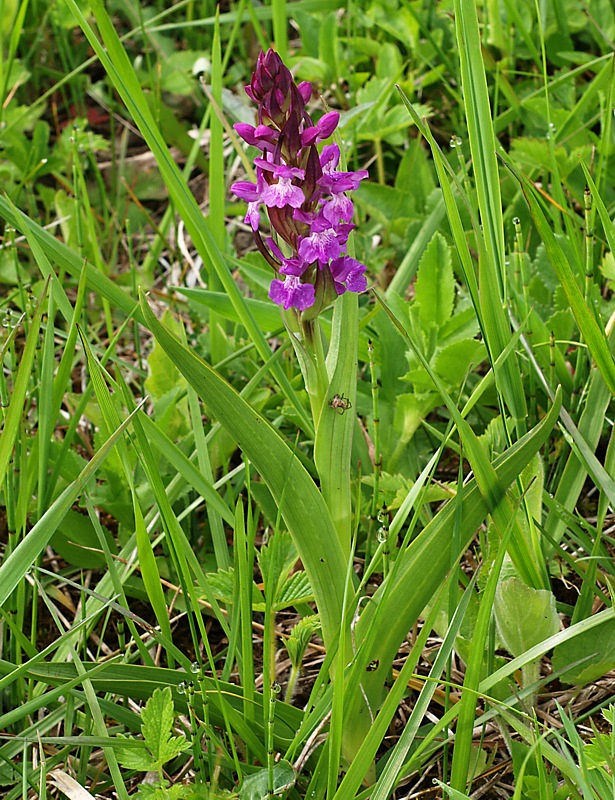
(262, 136)
(305, 90)
(327, 124)
(322, 130)
(309, 136)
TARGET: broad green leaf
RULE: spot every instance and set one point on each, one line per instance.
(255, 787)
(524, 616)
(76, 541)
(139, 682)
(598, 643)
(266, 314)
(298, 499)
(435, 284)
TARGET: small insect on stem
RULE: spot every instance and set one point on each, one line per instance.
(340, 403)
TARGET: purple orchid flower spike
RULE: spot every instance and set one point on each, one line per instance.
(302, 192)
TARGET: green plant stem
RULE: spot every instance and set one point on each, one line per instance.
(312, 362)
(291, 683)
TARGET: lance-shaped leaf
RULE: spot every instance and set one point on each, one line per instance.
(301, 504)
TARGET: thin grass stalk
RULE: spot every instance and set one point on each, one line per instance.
(589, 328)
(480, 132)
(118, 587)
(44, 403)
(218, 535)
(244, 568)
(376, 431)
(149, 567)
(93, 705)
(556, 182)
(420, 568)
(215, 217)
(359, 768)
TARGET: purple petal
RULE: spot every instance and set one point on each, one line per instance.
(283, 193)
(289, 266)
(283, 171)
(246, 191)
(291, 293)
(337, 209)
(349, 272)
(303, 216)
(253, 216)
(337, 182)
(330, 156)
(320, 246)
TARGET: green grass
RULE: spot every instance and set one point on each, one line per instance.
(342, 598)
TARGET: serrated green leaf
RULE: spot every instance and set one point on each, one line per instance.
(222, 585)
(299, 638)
(139, 760)
(156, 727)
(295, 590)
(435, 284)
(453, 363)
